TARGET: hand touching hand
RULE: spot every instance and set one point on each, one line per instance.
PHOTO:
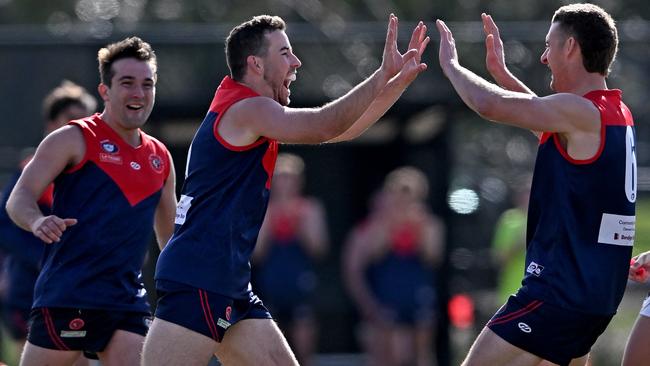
(393, 61)
(494, 57)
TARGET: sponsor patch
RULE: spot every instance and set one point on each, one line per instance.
(135, 165)
(223, 324)
(108, 158)
(182, 207)
(73, 333)
(617, 230)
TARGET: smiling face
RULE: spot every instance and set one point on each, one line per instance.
(280, 65)
(554, 56)
(130, 98)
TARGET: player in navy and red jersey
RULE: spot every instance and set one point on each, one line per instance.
(389, 268)
(581, 216)
(64, 103)
(203, 274)
(292, 238)
(112, 184)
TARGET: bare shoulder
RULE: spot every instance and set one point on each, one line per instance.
(574, 112)
(66, 142)
(241, 124)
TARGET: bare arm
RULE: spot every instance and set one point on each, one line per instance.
(394, 89)
(562, 112)
(166, 210)
(251, 118)
(62, 148)
(495, 58)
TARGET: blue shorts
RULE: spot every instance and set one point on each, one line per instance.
(87, 330)
(16, 319)
(205, 312)
(555, 334)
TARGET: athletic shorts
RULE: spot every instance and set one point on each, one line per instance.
(16, 319)
(645, 308)
(85, 330)
(203, 311)
(555, 334)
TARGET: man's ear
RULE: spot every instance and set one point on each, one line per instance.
(255, 64)
(571, 45)
(102, 89)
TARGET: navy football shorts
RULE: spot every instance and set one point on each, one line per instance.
(203, 311)
(555, 334)
(87, 330)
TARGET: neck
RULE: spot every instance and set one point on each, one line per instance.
(130, 135)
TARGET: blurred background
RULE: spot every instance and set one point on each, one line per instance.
(474, 167)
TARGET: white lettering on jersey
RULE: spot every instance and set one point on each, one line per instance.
(630, 165)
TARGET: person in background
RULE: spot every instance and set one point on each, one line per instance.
(389, 265)
(66, 102)
(509, 241)
(293, 236)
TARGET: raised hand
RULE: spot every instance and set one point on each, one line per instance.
(393, 61)
(447, 53)
(413, 67)
(50, 228)
(494, 57)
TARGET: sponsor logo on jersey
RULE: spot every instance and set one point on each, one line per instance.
(524, 327)
(108, 158)
(135, 166)
(535, 269)
(109, 146)
(76, 324)
(228, 313)
(156, 163)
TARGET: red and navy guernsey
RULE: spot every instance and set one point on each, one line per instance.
(113, 193)
(581, 219)
(222, 206)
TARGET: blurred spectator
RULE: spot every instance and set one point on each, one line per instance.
(66, 102)
(509, 241)
(389, 269)
(293, 235)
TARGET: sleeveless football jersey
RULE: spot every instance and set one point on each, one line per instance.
(222, 206)
(113, 193)
(581, 217)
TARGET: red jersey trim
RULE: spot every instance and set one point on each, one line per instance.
(114, 156)
(228, 93)
(603, 100)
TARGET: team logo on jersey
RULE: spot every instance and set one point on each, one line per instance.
(76, 324)
(135, 166)
(535, 269)
(156, 163)
(524, 327)
(109, 146)
(228, 312)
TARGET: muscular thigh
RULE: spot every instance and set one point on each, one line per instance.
(255, 342)
(171, 344)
